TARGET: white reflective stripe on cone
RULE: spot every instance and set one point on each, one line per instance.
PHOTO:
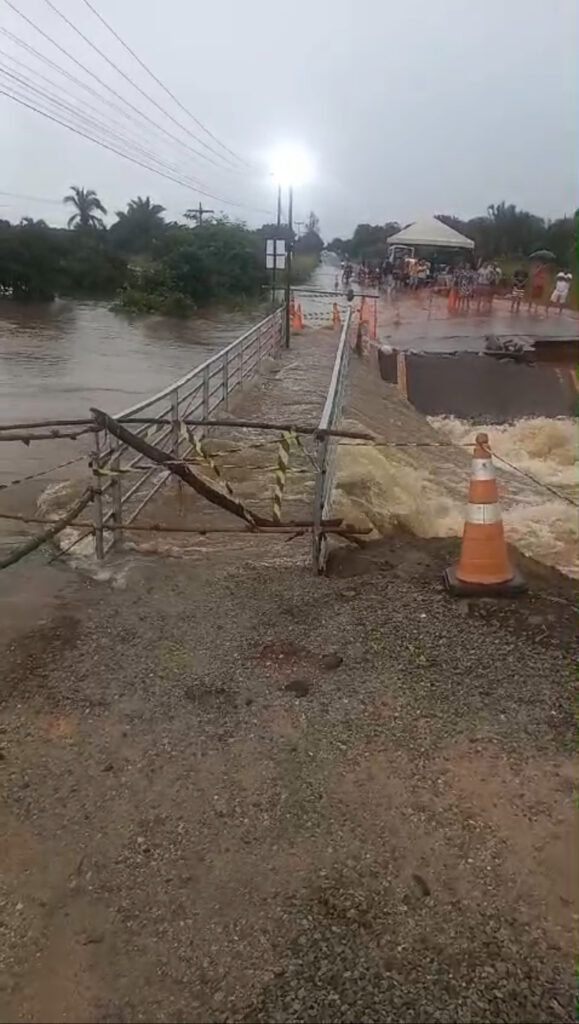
(482, 469)
(483, 514)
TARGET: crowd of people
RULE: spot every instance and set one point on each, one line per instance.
(465, 283)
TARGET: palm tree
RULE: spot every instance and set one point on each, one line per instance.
(139, 226)
(144, 211)
(85, 202)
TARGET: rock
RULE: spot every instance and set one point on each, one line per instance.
(421, 884)
(331, 661)
(299, 687)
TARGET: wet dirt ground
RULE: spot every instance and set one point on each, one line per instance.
(235, 791)
(421, 322)
(259, 795)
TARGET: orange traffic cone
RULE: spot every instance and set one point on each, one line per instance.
(374, 327)
(292, 307)
(297, 319)
(484, 567)
(336, 318)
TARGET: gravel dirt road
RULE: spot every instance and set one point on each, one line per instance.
(248, 794)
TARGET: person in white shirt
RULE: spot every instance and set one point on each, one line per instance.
(484, 288)
(560, 292)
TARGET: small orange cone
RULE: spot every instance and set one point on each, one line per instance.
(297, 319)
(484, 567)
(336, 318)
(292, 307)
(374, 327)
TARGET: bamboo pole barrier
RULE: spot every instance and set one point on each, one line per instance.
(292, 524)
(56, 527)
(185, 473)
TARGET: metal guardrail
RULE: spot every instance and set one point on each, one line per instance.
(121, 477)
(330, 418)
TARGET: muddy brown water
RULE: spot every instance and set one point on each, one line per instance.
(58, 359)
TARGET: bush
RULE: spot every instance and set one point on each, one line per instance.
(166, 303)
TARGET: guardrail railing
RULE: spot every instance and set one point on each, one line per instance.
(121, 478)
(329, 420)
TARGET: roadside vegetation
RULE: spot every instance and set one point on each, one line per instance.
(142, 261)
(504, 234)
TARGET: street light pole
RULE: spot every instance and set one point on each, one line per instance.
(288, 263)
(275, 244)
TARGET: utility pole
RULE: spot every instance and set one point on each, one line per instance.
(196, 214)
(200, 212)
(288, 263)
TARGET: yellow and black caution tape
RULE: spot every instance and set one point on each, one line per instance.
(114, 472)
(287, 440)
(188, 435)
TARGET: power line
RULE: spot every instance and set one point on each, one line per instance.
(86, 124)
(150, 99)
(130, 118)
(164, 131)
(30, 199)
(90, 124)
(162, 84)
(104, 127)
(77, 131)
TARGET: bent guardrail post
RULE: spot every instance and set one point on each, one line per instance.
(327, 451)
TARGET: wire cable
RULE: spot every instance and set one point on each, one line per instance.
(86, 70)
(150, 99)
(46, 96)
(162, 85)
(113, 149)
(68, 98)
(31, 199)
(106, 127)
(126, 115)
(130, 118)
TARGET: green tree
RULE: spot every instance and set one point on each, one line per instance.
(138, 227)
(370, 241)
(30, 262)
(338, 245)
(86, 204)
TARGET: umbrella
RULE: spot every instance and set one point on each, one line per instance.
(543, 254)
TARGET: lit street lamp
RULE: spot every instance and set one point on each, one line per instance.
(290, 166)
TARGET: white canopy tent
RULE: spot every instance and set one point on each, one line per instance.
(432, 232)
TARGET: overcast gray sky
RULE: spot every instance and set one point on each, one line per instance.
(406, 108)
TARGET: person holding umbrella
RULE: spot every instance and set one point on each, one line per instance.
(538, 276)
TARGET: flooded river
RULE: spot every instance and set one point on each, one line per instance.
(58, 359)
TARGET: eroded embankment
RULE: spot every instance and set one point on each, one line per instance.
(420, 482)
